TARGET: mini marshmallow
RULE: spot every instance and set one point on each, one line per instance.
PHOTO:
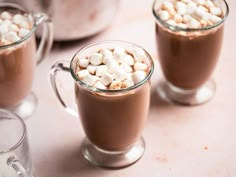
(118, 53)
(101, 70)
(200, 2)
(186, 1)
(24, 24)
(106, 79)
(82, 73)
(209, 4)
(181, 25)
(91, 69)
(191, 7)
(17, 19)
(99, 85)
(167, 5)
(95, 59)
(126, 67)
(193, 23)
(6, 15)
(23, 32)
(186, 18)
(182, 10)
(119, 74)
(128, 59)
(164, 15)
(115, 85)
(179, 5)
(7, 22)
(138, 66)
(14, 27)
(106, 55)
(178, 18)
(171, 22)
(83, 63)
(203, 8)
(215, 11)
(3, 29)
(127, 83)
(215, 19)
(12, 36)
(139, 54)
(138, 76)
(111, 65)
(90, 79)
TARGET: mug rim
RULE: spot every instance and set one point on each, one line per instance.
(94, 89)
(21, 139)
(178, 28)
(21, 9)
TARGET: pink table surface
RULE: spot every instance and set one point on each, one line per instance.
(180, 141)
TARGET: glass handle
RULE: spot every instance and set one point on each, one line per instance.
(16, 165)
(46, 42)
(63, 66)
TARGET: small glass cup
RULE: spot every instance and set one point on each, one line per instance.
(17, 63)
(188, 58)
(113, 120)
(15, 158)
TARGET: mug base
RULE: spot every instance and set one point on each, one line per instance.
(180, 96)
(111, 159)
(27, 106)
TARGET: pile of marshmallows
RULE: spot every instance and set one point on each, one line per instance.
(113, 69)
(190, 13)
(13, 27)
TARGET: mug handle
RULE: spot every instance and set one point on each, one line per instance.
(63, 66)
(16, 165)
(46, 41)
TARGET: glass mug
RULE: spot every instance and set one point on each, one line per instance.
(113, 120)
(188, 58)
(17, 64)
(15, 158)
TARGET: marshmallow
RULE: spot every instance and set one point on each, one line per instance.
(200, 2)
(24, 24)
(119, 74)
(164, 15)
(3, 29)
(186, 18)
(6, 15)
(167, 5)
(12, 36)
(126, 67)
(203, 8)
(82, 73)
(193, 23)
(181, 25)
(115, 85)
(215, 19)
(216, 11)
(91, 69)
(128, 59)
(139, 54)
(138, 76)
(186, 1)
(138, 66)
(15, 28)
(95, 59)
(118, 53)
(179, 5)
(203, 23)
(83, 63)
(90, 79)
(191, 7)
(127, 83)
(106, 55)
(178, 18)
(111, 65)
(171, 22)
(101, 70)
(182, 10)
(99, 85)
(7, 22)
(106, 79)
(17, 19)
(209, 4)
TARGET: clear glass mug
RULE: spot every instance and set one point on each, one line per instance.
(18, 61)
(113, 120)
(15, 157)
(188, 58)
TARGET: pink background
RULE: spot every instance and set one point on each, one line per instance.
(180, 141)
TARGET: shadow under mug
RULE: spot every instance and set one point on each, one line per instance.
(18, 61)
(188, 58)
(113, 120)
(15, 157)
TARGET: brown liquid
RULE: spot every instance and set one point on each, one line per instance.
(113, 122)
(188, 62)
(16, 72)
